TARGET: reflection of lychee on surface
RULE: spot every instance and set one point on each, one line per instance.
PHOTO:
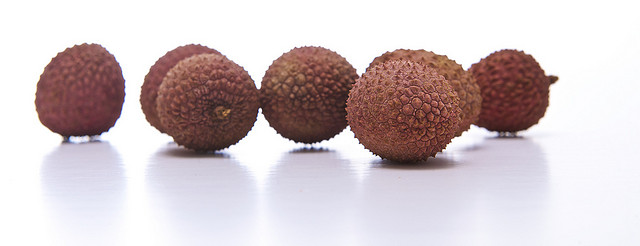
(84, 192)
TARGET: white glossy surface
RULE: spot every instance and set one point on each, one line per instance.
(546, 188)
(574, 179)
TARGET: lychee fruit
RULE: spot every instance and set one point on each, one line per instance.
(515, 91)
(207, 102)
(403, 111)
(153, 79)
(304, 92)
(80, 92)
(461, 80)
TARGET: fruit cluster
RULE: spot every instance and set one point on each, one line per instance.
(406, 107)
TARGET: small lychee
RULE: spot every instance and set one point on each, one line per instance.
(461, 80)
(515, 91)
(403, 111)
(80, 92)
(153, 79)
(304, 92)
(207, 102)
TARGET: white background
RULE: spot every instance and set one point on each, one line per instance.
(573, 179)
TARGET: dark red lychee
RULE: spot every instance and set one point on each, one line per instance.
(403, 111)
(152, 80)
(80, 92)
(515, 91)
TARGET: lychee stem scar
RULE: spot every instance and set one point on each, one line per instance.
(221, 112)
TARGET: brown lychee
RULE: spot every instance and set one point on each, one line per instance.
(403, 111)
(207, 102)
(461, 80)
(80, 92)
(149, 90)
(515, 91)
(304, 93)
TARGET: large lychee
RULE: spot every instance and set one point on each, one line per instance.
(461, 80)
(207, 102)
(149, 90)
(80, 92)
(515, 91)
(304, 93)
(403, 111)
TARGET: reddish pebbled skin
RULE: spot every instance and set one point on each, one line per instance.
(149, 90)
(207, 102)
(80, 92)
(461, 80)
(304, 92)
(515, 91)
(403, 111)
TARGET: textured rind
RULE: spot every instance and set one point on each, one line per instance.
(461, 80)
(515, 91)
(403, 111)
(80, 92)
(149, 90)
(304, 92)
(207, 102)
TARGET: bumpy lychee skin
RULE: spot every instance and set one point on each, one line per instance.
(149, 90)
(304, 93)
(80, 92)
(515, 91)
(403, 111)
(207, 102)
(461, 80)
